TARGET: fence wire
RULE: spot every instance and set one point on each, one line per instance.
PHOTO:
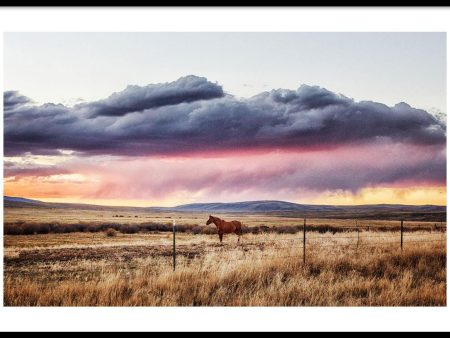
(315, 246)
(309, 238)
(360, 238)
(267, 257)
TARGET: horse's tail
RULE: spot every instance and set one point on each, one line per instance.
(239, 230)
(240, 226)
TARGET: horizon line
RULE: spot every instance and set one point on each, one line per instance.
(247, 201)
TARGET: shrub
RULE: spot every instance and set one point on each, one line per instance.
(129, 229)
(110, 232)
(196, 230)
(208, 230)
(42, 228)
(286, 229)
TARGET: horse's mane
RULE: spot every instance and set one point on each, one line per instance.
(216, 218)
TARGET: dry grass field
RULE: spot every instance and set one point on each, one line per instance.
(100, 269)
(29, 220)
(135, 216)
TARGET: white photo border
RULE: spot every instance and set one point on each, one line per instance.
(286, 19)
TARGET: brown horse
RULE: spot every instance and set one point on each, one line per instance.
(224, 227)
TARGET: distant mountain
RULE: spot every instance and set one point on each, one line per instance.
(20, 200)
(254, 206)
(287, 209)
(280, 206)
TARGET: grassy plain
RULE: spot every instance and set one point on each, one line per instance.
(122, 216)
(348, 268)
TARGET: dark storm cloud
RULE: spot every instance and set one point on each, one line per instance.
(192, 114)
(37, 171)
(134, 98)
(12, 99)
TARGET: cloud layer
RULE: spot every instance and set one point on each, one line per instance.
(273, 175)
(193, 115)
(13, 99)
(135, 99)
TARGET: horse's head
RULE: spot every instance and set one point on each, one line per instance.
(210, 220)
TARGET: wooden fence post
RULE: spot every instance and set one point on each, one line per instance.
(304, 240)
(357, 241)
(174, 228)
(401, 235)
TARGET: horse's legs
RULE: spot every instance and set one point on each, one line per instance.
(220, 237)
(238, 233)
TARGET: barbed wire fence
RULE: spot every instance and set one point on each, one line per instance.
(399, 241)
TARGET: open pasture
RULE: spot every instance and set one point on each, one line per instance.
(354, 268)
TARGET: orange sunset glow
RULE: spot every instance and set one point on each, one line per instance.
(325, 176)
(189, 140)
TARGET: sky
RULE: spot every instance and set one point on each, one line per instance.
(149, 119)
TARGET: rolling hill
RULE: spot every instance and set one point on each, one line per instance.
(288, 209)
(248, 206)
(254, 206)
(11, 201)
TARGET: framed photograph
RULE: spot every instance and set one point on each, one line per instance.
(271, 168)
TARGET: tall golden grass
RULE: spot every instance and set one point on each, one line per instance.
(268, 274)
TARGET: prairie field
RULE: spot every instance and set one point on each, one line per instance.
(135, 216)
(35, 220)
(354, 267)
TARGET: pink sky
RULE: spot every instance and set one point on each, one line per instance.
(188, 141)
(299, 175)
